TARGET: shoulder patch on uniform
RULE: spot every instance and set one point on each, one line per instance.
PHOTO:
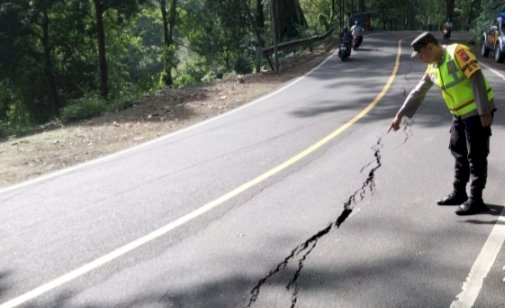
(463, 55)
(466, 60)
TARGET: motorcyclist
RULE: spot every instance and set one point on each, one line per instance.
(346, 38)
(345, 47)
(357, 32)
(447, 29)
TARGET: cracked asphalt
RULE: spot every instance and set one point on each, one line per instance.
(308, 246)
(354, 223)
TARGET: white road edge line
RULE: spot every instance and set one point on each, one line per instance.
(493, 70)
(169, 135)
(487, 256)
(118, 252)
(88, 267)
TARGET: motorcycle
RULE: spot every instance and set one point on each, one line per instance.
(344, 51)
(356, 41)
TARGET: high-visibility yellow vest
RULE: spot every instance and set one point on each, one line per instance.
(456, 86)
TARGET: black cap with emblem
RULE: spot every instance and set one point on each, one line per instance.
(422, 40)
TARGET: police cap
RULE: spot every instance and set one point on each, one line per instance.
(422, 40)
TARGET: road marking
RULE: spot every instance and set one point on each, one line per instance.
(493, 70)
(200, 211)
(148, 143)
(487, 256)
(170, 135)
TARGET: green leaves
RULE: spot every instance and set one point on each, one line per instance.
(49, 48)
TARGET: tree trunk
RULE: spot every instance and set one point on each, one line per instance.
(168, 32)
(361, 5)
(173, 15)
(101, 49)
(48, 66)
(474, 5)
(260, 15)
(275, 31)
(450, 10)
(256, 26)
(163, 7)
(341, 15)
(290, 15)
(332, 11)
(407, 16)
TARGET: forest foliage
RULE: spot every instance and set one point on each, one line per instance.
(72, 59)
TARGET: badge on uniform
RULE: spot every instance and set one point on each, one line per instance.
(463, 55)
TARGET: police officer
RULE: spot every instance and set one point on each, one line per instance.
(470, 100)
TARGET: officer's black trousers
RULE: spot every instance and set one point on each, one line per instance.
(470, 147)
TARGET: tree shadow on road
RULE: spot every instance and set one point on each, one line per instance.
(234, 291)
(3, 284)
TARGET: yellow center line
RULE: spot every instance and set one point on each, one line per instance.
(200, 211)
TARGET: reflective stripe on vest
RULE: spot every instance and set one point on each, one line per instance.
(456, 88)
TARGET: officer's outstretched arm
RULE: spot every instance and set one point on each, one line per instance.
(412, 102)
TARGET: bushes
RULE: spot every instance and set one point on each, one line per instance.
(190, 74)
(16, 120)
(93, 105)
(243, 65)
(83, 108)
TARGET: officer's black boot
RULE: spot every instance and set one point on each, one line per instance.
(474, 205)
(457, 197)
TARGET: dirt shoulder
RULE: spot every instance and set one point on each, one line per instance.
(56, 146)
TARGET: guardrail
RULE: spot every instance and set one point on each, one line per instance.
(270, 50)
(267, 51)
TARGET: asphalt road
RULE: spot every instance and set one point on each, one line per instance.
(241, 209)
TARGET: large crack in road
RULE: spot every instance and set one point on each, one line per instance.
(303, 250)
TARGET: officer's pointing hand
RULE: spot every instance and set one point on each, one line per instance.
(395, 124)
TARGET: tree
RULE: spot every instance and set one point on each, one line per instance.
(41, 10)
(389, 13)
(99, 10)
(290, 18)
(54, 54)
(472, 13)
(361, 5)
(449, 10)
(125, 8)
(28, 47)
(168, 33)
(318, 14)
(218, 31)
(489, 10)
(16, 49)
